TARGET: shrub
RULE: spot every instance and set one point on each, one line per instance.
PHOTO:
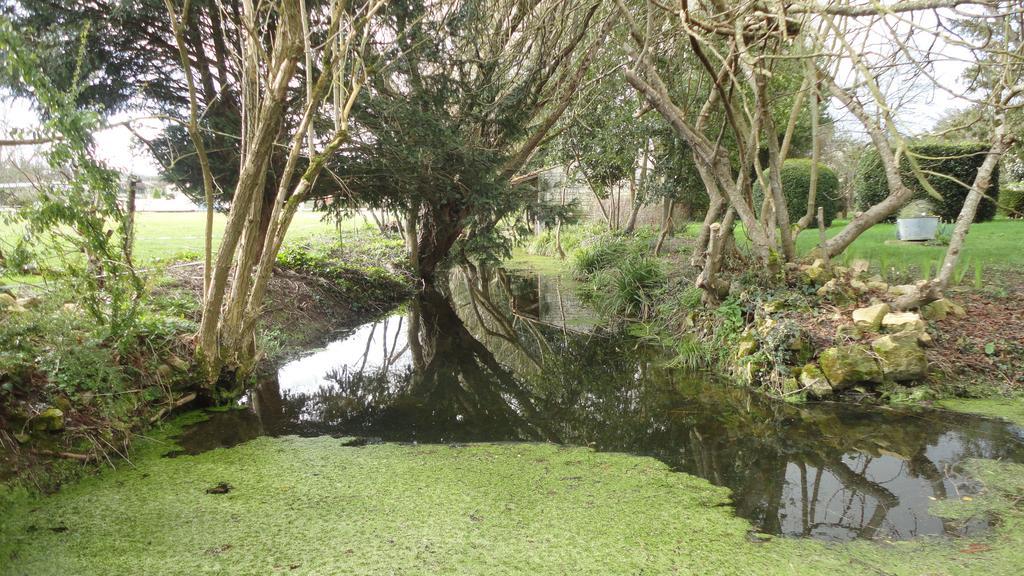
(796, 182)
(1011, 200)
(955, 161)
(917, 207)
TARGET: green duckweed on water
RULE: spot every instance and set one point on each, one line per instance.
(1011, 409)
(316, 506)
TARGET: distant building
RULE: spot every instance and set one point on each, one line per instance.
(556, 185)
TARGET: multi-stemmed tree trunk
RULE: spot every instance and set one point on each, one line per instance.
(738, 48)
(236, 280)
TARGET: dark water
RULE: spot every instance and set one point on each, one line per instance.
(514, 357)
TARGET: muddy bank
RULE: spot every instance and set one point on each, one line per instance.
(72, 401)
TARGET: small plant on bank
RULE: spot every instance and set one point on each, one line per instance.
(605, 252)
(960, 273)
(979, 279)
(620, 276)
(692, 353)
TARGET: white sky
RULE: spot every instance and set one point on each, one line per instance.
(117, 146)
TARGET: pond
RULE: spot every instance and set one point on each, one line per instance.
(517, 357)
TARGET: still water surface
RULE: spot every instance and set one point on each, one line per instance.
(516, 357)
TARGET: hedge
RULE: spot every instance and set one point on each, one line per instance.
(1011, 200)
(796, 182)
(957, 160)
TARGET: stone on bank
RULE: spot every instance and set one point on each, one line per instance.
(814, 381)
(847, 366)
(902, 322)
(870, 318)
(901, 357)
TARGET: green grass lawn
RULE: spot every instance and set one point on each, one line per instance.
(162, 235)
(996, 245)
(991, 244)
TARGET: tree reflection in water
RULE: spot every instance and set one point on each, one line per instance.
(503, 357)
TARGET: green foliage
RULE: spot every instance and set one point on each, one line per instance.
(693, 353)
(796, 182)
(1011, 200)
(77, 223)
(604, 252)
(949, 167)
(621, 278)
(441, 134)
(53, 353)
(730, 320)
(943, 235)
(690, 297)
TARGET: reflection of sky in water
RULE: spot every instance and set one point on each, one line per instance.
(370, 348)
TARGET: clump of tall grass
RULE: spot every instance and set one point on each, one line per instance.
(603, 253)
(630, 289)
(610, 250)
(694, 354)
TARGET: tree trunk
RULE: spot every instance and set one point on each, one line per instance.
(129, 224)
(439, 229)
(411, 236)
(713, 214)
(715, 289)
(637, 191)
(666, 225)
(822, 238)
(558, 239)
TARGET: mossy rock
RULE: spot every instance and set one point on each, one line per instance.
(812, 379)
(901, 357)
(847, 366)
(49, 420)
(7, 301)
(746, 346)
(816, 274)
(940, 309)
